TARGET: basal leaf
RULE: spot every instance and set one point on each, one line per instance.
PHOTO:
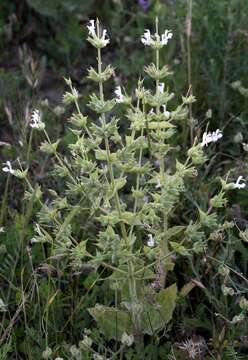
(112, 322)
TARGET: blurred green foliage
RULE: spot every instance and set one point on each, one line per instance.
(214, 52)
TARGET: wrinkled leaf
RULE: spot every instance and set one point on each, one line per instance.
(112, 322)
(156, 315)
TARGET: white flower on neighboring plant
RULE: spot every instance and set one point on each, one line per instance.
(36, 122)
(21, 174)
(149, 40)
(207, 138)
(150, 241)
(8, 168)
(119, 96)
(238, 184)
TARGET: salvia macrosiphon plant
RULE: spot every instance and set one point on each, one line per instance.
(120, 211)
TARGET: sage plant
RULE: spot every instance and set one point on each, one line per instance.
(121, 192)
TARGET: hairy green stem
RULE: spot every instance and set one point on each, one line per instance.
(189, 65)
(164, 245)
(131, 279)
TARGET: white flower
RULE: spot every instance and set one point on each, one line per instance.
(119, 95)
(146, 38)
(21, 174)
(166, 36)
(104, 40)
(239, 185)
(36, 122)
(161, 88)
(211, 137)
(206, 139)
(8, 168)
(92, 28)
(35, 117)
(150, 241)
(2, 230)
(166, 113)
(217, 135)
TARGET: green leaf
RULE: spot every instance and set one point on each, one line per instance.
(208, 220)
(218, 200)
(156, 316)
(20, 174)
(180, 249)
(49, 148)
(173, 231)
(130, 218)
(112, 322)
(102, 155)
(100, 106)
(120, 183)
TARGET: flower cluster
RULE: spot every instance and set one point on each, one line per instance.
(155, 40)
(94, 39)
(211, 137)
(36, 122)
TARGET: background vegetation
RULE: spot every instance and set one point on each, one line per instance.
(42, 41)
